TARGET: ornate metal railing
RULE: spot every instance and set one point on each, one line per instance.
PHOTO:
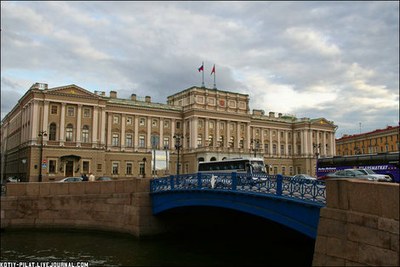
(284, 186)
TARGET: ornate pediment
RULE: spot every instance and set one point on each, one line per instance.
(72, 90)
(322, 121)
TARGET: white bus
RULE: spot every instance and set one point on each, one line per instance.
(250, 165)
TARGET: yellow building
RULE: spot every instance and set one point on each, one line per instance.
(378, 141)
(67, 131)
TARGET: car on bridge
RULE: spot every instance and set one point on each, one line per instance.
(13, 179)
(104, 178)
(304, 176)
(379, 177)
(349, 174)
(70, 179)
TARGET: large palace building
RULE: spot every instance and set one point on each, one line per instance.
(54, 133)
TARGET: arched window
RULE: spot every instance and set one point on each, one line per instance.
(53, 132)
(200, 159)
(85, 134)
(213, 159)
(69, 133)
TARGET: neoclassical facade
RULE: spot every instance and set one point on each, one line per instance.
(66, 131)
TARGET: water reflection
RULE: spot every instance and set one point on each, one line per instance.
(207, 237)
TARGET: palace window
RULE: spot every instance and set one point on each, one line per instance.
(166, 124)
(141, 168)
(154, 123)
(142, 121)
(199, 140)
(52, 166)
(115, 139)
(141, 141)
(129, 168)
(70, 111)
(85, 166)
(86, 112)
(116, 119)
(274, 149)
(129, 120)
(53, 132)
(69, 132)
(166, 142)
(54, 109)
(115, 167)
(85, 134)
(128, 140)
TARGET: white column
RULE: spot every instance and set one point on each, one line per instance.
(161, 130)
(149, 132)
(183, 142)
(95, 126)
(172, 140)
(194, 131)
(109, 130)
(279, 142)
(35, 120)
(228, 133)
(79, 125)
(45, 120)
(295, 152)
(262, 140)
(136, 137)
(270, 142)
(103, 127)
(286, 143)
(302, 139)
(248, 133)
(206, 122)
(62, 123)
(333, 144)
(217, 132)
(238, 135)
(123, 121)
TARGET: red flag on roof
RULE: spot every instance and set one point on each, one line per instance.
(201, 68)
(213, 70)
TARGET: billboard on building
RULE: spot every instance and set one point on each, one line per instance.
(160, 159)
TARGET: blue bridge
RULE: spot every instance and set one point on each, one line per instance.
(295, 203)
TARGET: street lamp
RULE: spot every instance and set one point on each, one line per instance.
(256, 145)
(178, 146)
(166, 158)
(41, 135)
(317, 148)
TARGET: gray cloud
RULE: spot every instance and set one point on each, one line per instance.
(338, 60)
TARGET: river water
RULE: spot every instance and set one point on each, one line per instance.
(205, 237)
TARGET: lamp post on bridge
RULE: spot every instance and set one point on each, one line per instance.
(317, 148)
(41, 135)
(178, 147)
(166, 158)
(256, 145)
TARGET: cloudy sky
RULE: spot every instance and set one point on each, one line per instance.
(337, 60)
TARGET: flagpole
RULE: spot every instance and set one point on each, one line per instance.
(215, 85)
(202, 75)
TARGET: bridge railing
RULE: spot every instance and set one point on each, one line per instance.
(279, 185)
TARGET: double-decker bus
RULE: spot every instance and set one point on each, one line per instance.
(381, 163)
(251, 166)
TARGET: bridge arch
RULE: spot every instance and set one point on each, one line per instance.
(301, 216)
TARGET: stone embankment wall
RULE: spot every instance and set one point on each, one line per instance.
(122, 206)
(359, 226)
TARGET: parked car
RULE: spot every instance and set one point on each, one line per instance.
(71, 179)
(13, 179)
(104, 178)
(379, 177)
(304, 176)
(349, 173)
